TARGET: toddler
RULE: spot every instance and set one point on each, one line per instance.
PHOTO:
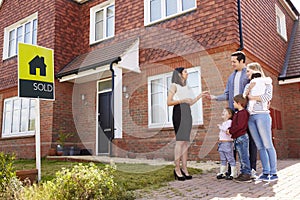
(225, 146)
(258, 89)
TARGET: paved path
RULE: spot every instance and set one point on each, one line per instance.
(206, 186)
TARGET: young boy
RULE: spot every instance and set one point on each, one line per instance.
(238, 131)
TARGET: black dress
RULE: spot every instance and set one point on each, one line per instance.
(182, 121)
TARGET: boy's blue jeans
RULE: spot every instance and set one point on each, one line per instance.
(260, 129)
(242, 147)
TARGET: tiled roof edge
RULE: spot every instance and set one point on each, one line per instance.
(288, 53)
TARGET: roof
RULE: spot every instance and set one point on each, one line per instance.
(291, 68)
(96, 58)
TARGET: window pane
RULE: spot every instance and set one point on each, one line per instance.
(12, 45)
(7, 117)
(171, 6)
(104, 86)
(155, 10)
(27, 33)
(34, 32)
(169, 108)
(99, 25)
(19, 37)
(158, 107)
(110, 21)
(187, 4)
(16, 115)
(192, 80)
(157, 86)
(24, 115)
(7, 123)
(32, 115)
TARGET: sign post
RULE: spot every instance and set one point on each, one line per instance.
(36, 80)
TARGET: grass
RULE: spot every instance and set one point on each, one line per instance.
(131, 176)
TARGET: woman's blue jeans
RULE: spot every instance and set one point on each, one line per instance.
(260, 130)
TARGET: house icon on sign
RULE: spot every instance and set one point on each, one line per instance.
(38, 62)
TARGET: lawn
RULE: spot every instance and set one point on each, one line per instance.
(131, 176)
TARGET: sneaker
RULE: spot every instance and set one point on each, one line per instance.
(273, 177)
(243, 178)
(253, 174)
(263, 177)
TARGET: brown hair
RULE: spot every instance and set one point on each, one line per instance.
(176, 77)
(230, 112)
(241, 100)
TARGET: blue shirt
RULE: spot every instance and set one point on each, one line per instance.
(229, 90)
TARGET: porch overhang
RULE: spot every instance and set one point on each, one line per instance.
(95, 64)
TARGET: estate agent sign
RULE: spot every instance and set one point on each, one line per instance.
(36, 72)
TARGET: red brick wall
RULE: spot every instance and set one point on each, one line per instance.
(260, 32)
(290, 116)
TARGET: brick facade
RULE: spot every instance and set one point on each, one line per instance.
(204, 37)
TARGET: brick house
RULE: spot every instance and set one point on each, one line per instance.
(113, 61)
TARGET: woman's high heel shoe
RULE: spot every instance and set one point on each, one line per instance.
(187, 177)
(180, 178)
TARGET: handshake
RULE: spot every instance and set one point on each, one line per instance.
(207, 95)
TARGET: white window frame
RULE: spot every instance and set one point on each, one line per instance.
(180, 11)
(103, 6)
(10, 132)
(281, 23)
(197, 114)
(14, 27)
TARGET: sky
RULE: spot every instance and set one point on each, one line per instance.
(296, 4)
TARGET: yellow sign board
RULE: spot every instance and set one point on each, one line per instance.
(36, 71)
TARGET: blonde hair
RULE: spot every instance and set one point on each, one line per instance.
(256, 67)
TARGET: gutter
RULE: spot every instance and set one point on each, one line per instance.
(115, 61)
(81, 69)
(240, 26)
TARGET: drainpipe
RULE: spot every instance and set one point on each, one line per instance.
(118, 59)
(240, 26)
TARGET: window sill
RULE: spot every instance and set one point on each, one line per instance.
(16, 137)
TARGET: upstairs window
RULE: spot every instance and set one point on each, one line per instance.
(158, 10)
(159, 113)
(24, 31)
(18, 117)
(102, 22)
(281, 23)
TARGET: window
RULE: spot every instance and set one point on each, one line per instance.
(18, 117)
(159, 113)
(23, 31)
(281, 23)
(157, 10)
(102, 22)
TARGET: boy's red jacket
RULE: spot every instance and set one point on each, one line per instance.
(239, 124)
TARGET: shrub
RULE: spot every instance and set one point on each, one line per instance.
(80, 182)
(10, 185)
